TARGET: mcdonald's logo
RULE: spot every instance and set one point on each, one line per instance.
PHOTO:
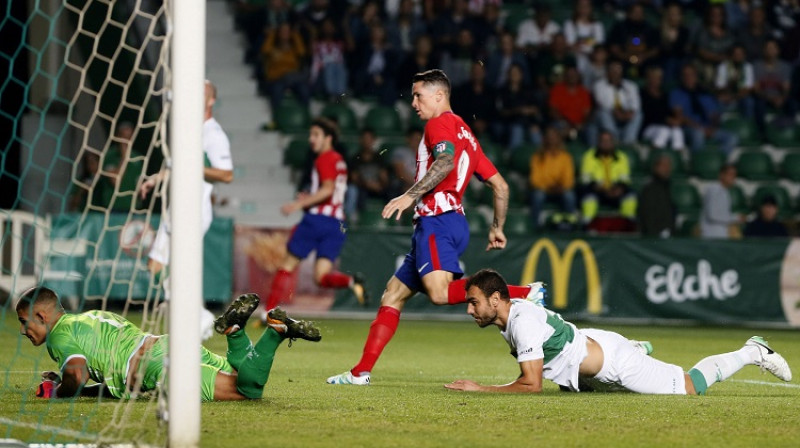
(561, 267)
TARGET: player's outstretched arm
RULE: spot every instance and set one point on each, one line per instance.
(497, 239)
(309, 200)
(211, 174)
(529, 381)
(73, 379)
(440, 168)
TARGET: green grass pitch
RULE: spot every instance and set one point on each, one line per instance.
(407, 404)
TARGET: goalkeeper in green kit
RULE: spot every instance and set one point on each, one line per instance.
(122, 359)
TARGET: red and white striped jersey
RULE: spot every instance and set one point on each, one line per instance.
(330, 165)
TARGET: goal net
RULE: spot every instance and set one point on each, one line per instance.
(83, 90)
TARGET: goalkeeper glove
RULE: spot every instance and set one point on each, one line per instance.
(47, 388)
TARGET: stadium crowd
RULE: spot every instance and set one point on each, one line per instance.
(582, 100)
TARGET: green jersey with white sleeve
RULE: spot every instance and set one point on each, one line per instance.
(105, 340)
(534, 332)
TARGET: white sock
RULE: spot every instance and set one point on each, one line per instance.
(718, 368)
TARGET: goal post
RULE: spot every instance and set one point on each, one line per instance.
(186, 186)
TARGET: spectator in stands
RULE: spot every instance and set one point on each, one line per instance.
(755, 33)
(552, 177)
(404, 163)
(519, 112)
(369, 176)
(766, 224)
(421, 59)
(283, 58)
(772, 87)
(570, 104)
(314, 14)
(535, 34)
(488, 26)
(785, 17)
(378, 66)
(79, 189)
(660, 126)
(634, 41)
(328, 67)
(457, 63)
(594, 69)
(404, 29)
(655, 212)
(122, 172)
(501, 60)
(699, 112)
(717, 219)
(606, 179)
(712, 43)
(619, 107)
(357, 25)
(475, 101)
(250, 18)
(447, 25)
(583, 31)
(734, 83)
(553, 62)
(674, 45)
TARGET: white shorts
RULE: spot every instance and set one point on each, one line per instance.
(159, 251)
(626, 366)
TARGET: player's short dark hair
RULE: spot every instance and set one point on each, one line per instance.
(488, 281)
(433, 77)
(328, 126)
(38, 294)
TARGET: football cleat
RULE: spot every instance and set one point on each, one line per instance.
(645, 347)
(292, 329)
(349, 378)
(537, 293)
(235, 317)
(770, 360)
(359, 289)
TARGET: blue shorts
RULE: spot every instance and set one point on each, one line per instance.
(317, 232)
(436, 245)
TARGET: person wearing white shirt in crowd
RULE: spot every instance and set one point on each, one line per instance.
(536, 33)
(619, 106)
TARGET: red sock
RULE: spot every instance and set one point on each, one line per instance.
(335, 279)
(281, 289)
(518, 292)
(456, 293)
(380, 333)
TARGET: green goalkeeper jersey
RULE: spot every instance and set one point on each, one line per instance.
(105, 340)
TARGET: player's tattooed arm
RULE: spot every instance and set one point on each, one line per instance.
(440, 168)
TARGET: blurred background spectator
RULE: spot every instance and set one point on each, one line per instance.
(660, 126)
(606, 179)
(403, 163)
(552, 177)
(619, 107)
(717, 219)
(766, 223)
(283, 59)
(518, 111)
(655, 211)
(369, 175)
(570, 105)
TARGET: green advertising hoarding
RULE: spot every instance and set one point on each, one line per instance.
(744, 281)
(99, 255)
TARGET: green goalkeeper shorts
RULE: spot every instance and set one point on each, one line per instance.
(210, 365)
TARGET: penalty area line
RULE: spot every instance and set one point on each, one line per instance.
(48, 428)
(768, 383)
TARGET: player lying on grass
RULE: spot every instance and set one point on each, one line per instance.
(546, 346)
(121, 358)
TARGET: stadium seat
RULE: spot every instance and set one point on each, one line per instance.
(296, 154)
(686, 198)
(744, 129)
(343, 115)
(783, 135)
(634, 159)
(678, 168)
(779, 193)
(384, 120)
(790, 167)
(476, 221)
(519, 160)
(292, 117)
(705, 164)
(738, 200)
(755, 165)
(518, 222)
(371, 218)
